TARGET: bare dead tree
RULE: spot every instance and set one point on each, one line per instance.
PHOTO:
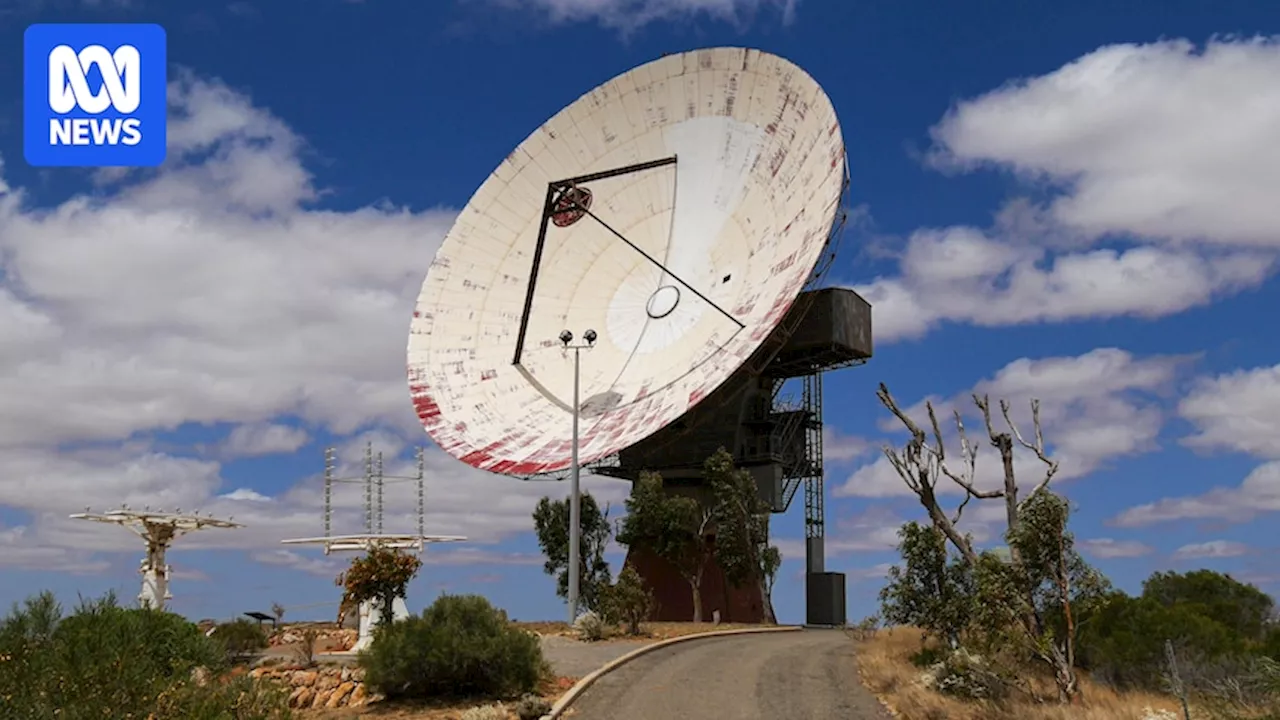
(924, 458)
(920, 463)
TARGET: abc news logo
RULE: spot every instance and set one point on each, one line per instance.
(69, 89)
(95, 94)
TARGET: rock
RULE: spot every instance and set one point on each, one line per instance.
(358, 696)
(303, 677)
(346, 674)
(327, 682)
(302, 697)
(335, 700)
(357, 674)
(322, 697)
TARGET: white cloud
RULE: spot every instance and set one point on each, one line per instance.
(245, 494)
(263, 439)
(324, 567)
(1210, 549)
(963, 274)
(1108, 548)
(1259, 493)
(1094, 408)
(16, 552)
(1163, 140)
(839, 448)
(875, 529)
(214, 291)
(1238, 411)
(1164, 152)
(633, 14)
(478, 556)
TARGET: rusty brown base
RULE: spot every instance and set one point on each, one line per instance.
(674, 597)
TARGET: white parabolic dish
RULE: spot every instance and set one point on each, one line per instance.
(740, 218)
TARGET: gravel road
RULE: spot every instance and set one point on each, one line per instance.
(571, 658)
(806, 675)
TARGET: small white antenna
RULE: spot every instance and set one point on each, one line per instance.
(158, 533)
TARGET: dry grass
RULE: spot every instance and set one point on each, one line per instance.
(884, 662)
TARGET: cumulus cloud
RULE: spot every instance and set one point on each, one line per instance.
(963, 274)
(1161, 164)
(839, 448)
(16, 551)
(1210, 549)
(1237, 411)
(216, 290)
(323, 567)
(1164, 140)
(1094, 408)
(1108, 548)
(1259, 493)
(629, 15)
(263, 439)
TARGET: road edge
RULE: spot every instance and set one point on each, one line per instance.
(581, 686)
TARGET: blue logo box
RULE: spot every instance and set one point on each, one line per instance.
(94, 95)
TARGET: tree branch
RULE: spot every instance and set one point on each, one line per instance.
(1037, 447)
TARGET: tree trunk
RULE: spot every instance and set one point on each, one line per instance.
(695, 584)
(724, 587)
(766, 603)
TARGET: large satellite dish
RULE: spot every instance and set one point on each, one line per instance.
(677, 209)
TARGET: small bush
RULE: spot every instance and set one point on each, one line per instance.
(590, 626)
(485, 712)
(461, 646)
(240, 639)
(532, 707)
(928, 656)
(306, 649)
(967, 676)
(628, 602)
(238, 698)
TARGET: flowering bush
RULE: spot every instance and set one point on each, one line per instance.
(381, 576)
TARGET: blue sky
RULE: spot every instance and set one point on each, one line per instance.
(1073, 202)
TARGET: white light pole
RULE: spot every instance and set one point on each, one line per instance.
(575, 494)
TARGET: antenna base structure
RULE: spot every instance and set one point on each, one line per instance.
(158, 529)
(373, 481)
(371, 612)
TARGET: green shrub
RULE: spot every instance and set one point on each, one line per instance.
(966, 676)
(105, 661)
(1123, 643)
(461, 646)
(239, 698)
(591, 627)
(532, 707)
(628, 602)
(240, 639)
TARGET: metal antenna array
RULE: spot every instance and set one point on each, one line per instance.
(368, 487)
(421, 457)
(373, 480)
(158, 529)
